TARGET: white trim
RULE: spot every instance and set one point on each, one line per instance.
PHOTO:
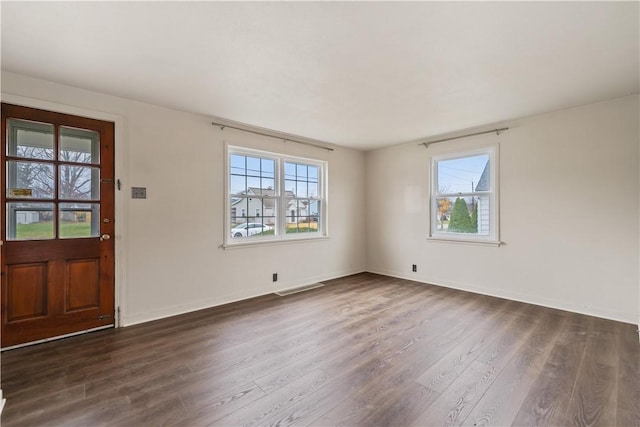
(516, 296)
(121, 243)
(211, 303)
(464, 241)
(286, 241)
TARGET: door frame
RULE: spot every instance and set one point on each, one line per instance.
(120, 201)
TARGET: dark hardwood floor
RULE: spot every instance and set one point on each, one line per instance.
(363, 350)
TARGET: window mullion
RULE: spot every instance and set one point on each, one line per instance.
(279, 195)
(474, 194)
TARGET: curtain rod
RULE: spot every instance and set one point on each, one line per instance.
(222, 126)
(497, 131)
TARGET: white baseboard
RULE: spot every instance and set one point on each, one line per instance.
(210, 303)
(516, 296)
(529, 299)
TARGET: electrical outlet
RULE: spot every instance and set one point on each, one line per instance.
(414, 268)
(275, 277)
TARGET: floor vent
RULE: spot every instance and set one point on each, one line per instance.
(290, 291)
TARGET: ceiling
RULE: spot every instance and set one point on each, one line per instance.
(358, 74)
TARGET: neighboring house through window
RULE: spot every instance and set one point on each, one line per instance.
(464, 196)
(286, 195)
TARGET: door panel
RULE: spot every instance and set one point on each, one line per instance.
(57, 220)
(82, 284)
(27, 291)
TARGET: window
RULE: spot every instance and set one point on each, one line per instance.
(285, 194)
(464, 201)
(302, 196)
(53, 181)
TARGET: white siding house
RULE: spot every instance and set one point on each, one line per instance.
(483, 202)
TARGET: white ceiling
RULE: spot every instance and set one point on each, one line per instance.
(357, 74)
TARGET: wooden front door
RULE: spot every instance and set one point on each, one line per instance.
(57, 224)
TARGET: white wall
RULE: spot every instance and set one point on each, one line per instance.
(582, 255)
(569, 209)
(168, 246)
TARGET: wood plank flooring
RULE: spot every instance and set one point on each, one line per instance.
(364, 350)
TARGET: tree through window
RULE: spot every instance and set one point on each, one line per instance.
(464, 197)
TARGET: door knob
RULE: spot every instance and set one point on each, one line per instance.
(105, 237)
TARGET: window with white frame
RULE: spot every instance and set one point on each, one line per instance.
(464, 196)
(285, 194)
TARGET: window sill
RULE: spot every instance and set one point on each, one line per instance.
(466, 241)
(239, 245)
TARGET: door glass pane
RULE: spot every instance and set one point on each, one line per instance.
(79, 145)
(78, 220)
(30, 180)
(79, 183)
(31, 140)
(30, 221)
